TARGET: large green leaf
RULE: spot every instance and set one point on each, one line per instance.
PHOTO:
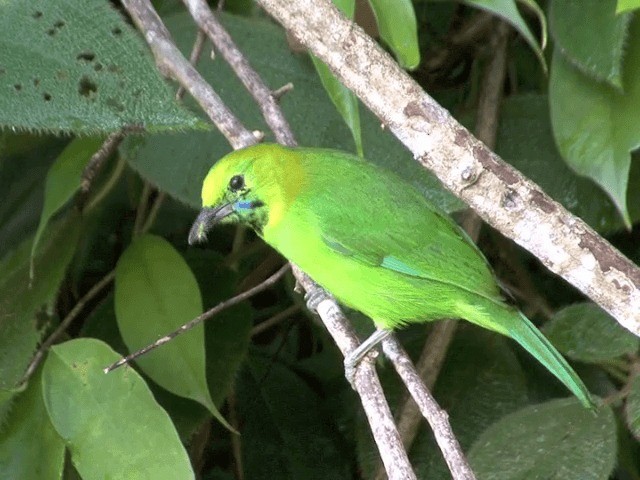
(155, 293)
(632, 407)
(29, 445)
(595, 126)
(24, 162)
(508, 10)
(525, 140)
(591, 37)
(559, 439)
(344, 100)
(398, 28)
(63, 180)
(111, 423)
(21, 303)
(285, 434)
(313, 119)
(587, 333)
(71, 66)
(627, 5)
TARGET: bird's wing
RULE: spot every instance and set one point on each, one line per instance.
(418, 242)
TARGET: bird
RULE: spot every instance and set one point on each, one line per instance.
(371, 239)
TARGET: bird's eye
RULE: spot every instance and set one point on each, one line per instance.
(236, 183)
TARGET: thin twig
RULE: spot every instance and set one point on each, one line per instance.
(153, 212)
(201, 318)
(274, 320)
(196, 51)
(96, 162)
(172, 63)
(271, 112)
(367, 385)
(141, 211)
(437, 418)
(236, 440)
(92, 202)
(64, 324)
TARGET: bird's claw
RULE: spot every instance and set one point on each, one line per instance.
(314, 298)
(353, 361)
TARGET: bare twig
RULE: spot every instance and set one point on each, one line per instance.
(196, 51)
(64, 324)
(201, 318)
(96, 161)
(367, 384)
(276, 319)
(437, 418)
(172, 64)
(207, 21)
(501, 195)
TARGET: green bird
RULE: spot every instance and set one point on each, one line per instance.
(371, 239)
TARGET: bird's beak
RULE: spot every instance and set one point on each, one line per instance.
(206, 219)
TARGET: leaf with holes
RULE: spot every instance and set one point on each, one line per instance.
(69, 66)
(155, 293)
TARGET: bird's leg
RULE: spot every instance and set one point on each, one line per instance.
(352, 361)
(314, 298)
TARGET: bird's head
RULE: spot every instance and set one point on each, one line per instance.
(239, 189)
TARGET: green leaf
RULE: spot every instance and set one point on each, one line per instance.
(284, 434)
(596, 127)
(155, 293)
(627, 5)
(508, 10)
(345, 101)
(79, 67)
(632, 407)
(398, 28)
(63, 179)
(559, 439)
(111, 423)
(21, 305)
(586, 333)
(29, 445)
(525, 140)
(573, 23)
(313, 119)
(24, 162)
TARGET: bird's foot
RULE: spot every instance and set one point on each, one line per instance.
(352, 361)
(314, 298)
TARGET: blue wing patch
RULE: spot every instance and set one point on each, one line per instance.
(393, 263)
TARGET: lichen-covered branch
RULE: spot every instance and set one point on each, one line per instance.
(501, 195)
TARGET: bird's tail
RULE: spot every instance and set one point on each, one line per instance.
(511, 322)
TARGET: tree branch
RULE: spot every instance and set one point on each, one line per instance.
(501, 195)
